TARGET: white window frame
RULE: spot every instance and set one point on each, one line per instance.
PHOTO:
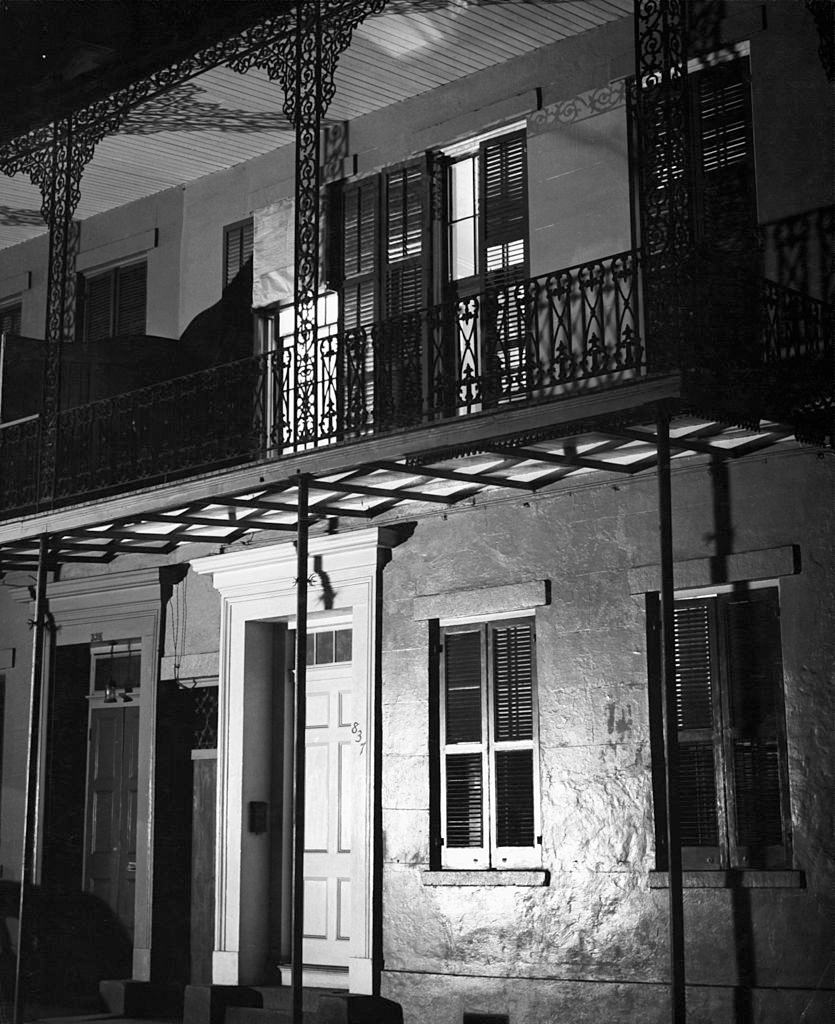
(489, 856)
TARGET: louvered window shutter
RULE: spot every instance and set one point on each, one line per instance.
(360, 218)
(754, 747)
(504, 259)
(131, 297)
(724, 193)
(512, 694)
(98, 307)
(400, 342)
(10, 320)
(238, 242)
(696, 696)
(405, 245)
(356, 267)
(504, 209)
(464, 749)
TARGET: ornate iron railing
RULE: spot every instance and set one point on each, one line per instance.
(202, 420)
(794, 325)
(533, 341)
(529, 341)
(20, 443)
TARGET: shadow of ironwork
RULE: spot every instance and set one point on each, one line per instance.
(15, 218)
(184, 110)
(799, 252)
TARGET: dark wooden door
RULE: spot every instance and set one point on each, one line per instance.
(110, 871)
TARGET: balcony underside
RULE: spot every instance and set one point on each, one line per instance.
(520, 450)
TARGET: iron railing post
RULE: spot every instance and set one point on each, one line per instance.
(27, 860)
(297, 914)
(678, 1005)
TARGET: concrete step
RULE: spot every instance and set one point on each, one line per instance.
(250, 1015)
(278, 997)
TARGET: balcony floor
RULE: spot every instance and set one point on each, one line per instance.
(522, 449)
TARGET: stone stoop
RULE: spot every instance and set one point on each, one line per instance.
(141, 999)
(221, 1004)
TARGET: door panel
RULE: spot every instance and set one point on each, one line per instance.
(331, 753)
(110, 869)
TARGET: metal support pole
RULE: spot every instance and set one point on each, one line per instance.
(678, 1010)
(297, 916)
(32, 750)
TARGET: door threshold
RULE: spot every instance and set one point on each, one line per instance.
(317, 976)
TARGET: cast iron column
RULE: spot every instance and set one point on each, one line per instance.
(297, 913)
(668, 704)
(662, 111)
(27, 867)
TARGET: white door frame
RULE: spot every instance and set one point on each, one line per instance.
(259, 584)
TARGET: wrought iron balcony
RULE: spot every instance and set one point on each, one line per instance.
(535, 341)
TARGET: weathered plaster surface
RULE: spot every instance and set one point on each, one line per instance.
(598, 920)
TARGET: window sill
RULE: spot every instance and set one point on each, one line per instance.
(747, 878)
(531, 878)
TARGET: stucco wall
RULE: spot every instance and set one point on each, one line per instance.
(598, 920)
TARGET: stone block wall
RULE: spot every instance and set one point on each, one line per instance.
(595, 935)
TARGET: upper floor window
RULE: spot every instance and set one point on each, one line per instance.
(487, 212)
(489, 771)
(113, 302)
(237, 249)
(11, 319)
(401, 246)
(733, 779)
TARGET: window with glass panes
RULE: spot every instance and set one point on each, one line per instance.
(733, 781)
(489, 771)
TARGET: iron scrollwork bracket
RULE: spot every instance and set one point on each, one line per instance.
(304, 59)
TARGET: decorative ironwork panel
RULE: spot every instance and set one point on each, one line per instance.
(205, 700)
(200, 421)
(19, 450)
(661, 117)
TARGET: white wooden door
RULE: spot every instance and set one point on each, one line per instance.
(331, 749)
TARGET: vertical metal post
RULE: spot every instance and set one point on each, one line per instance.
(668, 702)
(297, 916)
(32, 750)
(308, 105)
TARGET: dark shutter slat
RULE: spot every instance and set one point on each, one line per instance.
(753, 654)
(697, 795)
(238, 249)
(752, 643)
(514, 798)
(359, 252)
(757, 790)
(464, 800)
(694, 695)
(724, 164)
(404, 241)
(98, 307)
(131, 298)
(232, 260)
(513, 682)
(10, 320)
(462, 674)
(504, 197)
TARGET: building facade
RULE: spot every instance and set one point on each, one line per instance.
(485, 441)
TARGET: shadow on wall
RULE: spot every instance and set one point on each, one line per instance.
(75, 941)
(223, 333)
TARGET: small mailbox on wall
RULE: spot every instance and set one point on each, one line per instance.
(257, 816)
